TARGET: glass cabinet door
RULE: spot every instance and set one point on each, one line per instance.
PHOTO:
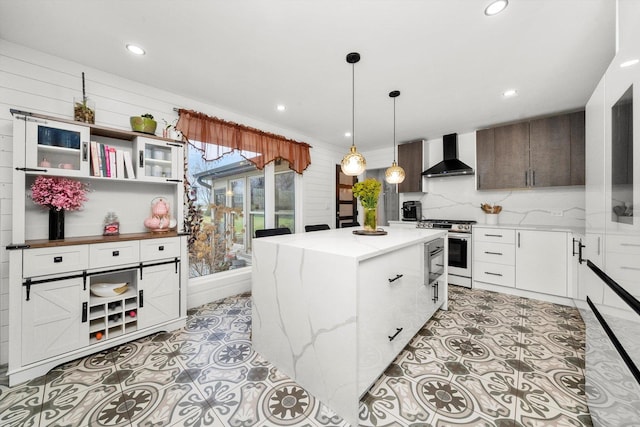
(57, 148)
(157, 160)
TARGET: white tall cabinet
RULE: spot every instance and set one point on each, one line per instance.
(53, 315)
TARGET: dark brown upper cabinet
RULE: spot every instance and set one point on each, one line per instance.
(544, 152)
(410, 159)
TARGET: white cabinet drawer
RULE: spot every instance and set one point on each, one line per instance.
(153, 249)
(500, 253)
(498, 274)
(60, 259)
(623, 243)
(496, 235)
(103, 255)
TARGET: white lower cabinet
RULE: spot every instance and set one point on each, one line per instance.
(541, 261)
(159, 294)
(58, 318)
(530, 260)
(52, 319)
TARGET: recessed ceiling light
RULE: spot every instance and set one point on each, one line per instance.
(510, 93)
(135, 49)
(496, 7)
(280, 107)
(629, 63)
(347, 134)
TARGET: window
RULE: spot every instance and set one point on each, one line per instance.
(231, 198)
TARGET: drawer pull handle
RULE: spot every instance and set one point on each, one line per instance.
(493, 235)
(629, 268)
(57, 259)
(395, 278)
(493, 253)
(84, 311)
(115, 253)
(161, 248)
(493, 274)
(392, 337)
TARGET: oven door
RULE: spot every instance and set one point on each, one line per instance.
(460, 259)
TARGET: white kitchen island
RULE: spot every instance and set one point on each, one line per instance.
(332, 309)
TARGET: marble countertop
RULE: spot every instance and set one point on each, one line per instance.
(537, 227)
(343, 242)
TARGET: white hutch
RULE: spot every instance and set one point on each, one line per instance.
(53, 315)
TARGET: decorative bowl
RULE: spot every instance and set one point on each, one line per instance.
(109, 289)
(143, 124)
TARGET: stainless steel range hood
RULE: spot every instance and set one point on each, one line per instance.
(451, 165)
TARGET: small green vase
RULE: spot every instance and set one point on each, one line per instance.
(370, 219)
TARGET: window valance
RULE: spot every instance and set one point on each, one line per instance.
(216, 137)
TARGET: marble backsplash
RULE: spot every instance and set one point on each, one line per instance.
(456, 198)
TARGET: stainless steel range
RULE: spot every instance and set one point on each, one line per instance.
(460, 248)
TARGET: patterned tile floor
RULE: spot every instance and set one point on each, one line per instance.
(491, 360)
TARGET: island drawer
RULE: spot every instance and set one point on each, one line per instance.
(495, 235)
(500, 253)
(498, 274)
(60, 259)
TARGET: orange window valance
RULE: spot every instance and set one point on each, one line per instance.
(216, 137)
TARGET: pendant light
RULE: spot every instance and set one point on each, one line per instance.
(394, 174)
(353, 163)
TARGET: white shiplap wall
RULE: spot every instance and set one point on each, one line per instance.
(37, 82)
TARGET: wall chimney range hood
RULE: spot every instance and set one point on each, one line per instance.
(450, 166)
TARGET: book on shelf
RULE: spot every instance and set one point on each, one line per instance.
(112, 163)
(95, 164)
(128, 164)
(120, 164)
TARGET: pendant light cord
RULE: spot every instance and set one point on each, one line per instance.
(353, 104)
(394, 129)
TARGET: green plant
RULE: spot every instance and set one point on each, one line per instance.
(147, 116)
(367, 192)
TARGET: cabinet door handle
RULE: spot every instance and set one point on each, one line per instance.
(493, 253)
(161, 248)
(84, 312)
(436, 292)
(115, 253)
(526, 178)
(141, 155)
(492, 274)
(140, 298)
(392, 337)
(395, 278)
(493, 235)
(518, 239)
(57, 259)
(85, 151)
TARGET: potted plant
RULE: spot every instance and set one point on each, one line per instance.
(143, 123)
(367, 192)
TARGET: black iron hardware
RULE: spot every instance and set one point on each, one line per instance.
(174, 180)
(493, 235)
(493, 274)
(85, 154)
(395, 278)
(84, 312)
(31, 169)
(436, 292)
(493, 253)
(141, 158)
(115, 253)
(28, 285)
(84, 280)
(392, 337)
(57, 259)
(12, 247)
(140, 298)
(161, 248)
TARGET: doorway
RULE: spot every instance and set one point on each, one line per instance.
(346, 204)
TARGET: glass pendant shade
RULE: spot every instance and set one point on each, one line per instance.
(394, 174)
(353, 163)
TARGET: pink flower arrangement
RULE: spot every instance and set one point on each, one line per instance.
(59, 193)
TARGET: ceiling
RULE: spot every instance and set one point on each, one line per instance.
(450, 61)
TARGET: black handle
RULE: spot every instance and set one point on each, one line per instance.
(395, 278)
(580, 246)
(85, 154)
(161, 248)
(115, 253)
(493, 253)
(84, 312)
(436, 292)
(493, 235)
(57, 259)
(392, 337)
(141, 158)
(493, 274)
(31, 170)
(140, 298)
